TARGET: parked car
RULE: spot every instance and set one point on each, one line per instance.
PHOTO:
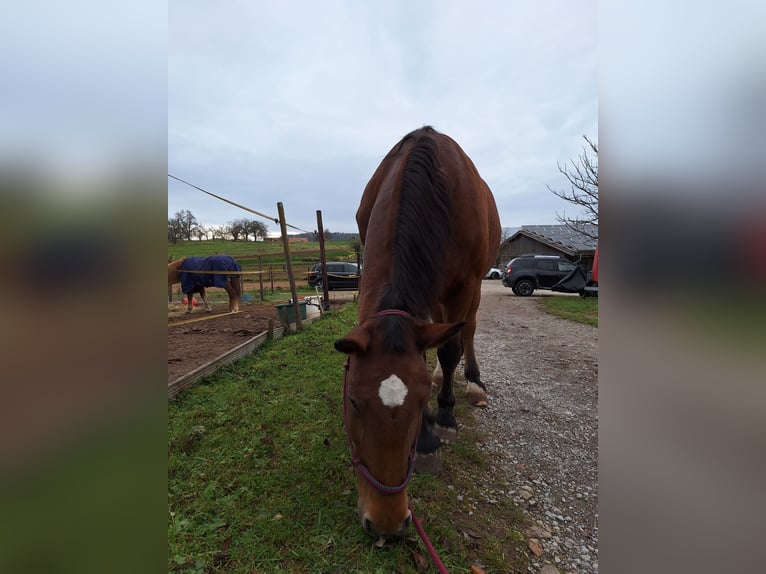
(493, 273)
(340, 275)
(526, 273)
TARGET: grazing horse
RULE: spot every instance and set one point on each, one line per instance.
(182, 270)
(430, 228)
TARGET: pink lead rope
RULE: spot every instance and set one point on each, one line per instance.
(430, 547)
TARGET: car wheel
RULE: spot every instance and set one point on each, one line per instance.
(495, 275)
(524, 288)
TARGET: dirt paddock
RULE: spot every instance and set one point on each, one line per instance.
(199, 337)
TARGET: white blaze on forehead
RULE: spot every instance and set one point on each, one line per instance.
(392, 391)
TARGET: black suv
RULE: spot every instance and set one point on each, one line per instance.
(526, 273)
(339, 276)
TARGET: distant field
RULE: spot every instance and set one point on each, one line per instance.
(267, 257)
(270, 253)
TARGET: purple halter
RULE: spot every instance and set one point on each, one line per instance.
(365, 472)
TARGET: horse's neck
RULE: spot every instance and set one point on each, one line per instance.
(174, 273)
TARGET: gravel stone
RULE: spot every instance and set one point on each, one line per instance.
(541, 424)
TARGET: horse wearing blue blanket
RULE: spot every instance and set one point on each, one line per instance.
(196, 273)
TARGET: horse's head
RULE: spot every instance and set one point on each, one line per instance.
(386, 388)
(174, 270)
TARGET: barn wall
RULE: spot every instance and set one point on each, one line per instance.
(523, 245)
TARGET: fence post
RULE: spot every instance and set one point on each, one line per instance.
(260, 276)
(289, 265)
(323, 261)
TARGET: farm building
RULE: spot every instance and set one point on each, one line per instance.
(551, 240)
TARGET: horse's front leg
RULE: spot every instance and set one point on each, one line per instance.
(449, 357)
(189, 297)
(429, 459)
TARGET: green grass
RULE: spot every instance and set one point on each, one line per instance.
(260, 479)
(578, 309)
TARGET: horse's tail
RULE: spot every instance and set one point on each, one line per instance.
(236, 280)
(236, 283)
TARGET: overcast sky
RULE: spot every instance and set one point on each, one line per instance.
(299, 101)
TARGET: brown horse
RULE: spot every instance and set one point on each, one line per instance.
(431, 230)
(209, 273)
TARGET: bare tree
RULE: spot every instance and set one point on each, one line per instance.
(256, 229)
(174, 231)
(201, 232)
(218, 232)
(186, 224)
(237, 228)
(182, 226)
(582, 176)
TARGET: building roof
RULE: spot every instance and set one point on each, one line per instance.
(561, 236)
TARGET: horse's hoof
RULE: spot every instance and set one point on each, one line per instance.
(475, 394)
(446, 434)
(430, 463)
(188, 311)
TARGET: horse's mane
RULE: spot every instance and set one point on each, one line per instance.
(422, 228)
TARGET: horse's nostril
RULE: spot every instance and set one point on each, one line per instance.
(367, 525)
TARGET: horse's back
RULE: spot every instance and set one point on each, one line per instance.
(474, 224)
(191, 280)
(193, 263)
(223, 263)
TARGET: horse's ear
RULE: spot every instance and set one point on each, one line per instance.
(356, 341)
(434, 334)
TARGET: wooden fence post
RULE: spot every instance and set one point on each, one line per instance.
(323, 261)
(289, 265)
(260, 276)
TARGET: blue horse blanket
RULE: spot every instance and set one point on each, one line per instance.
(191, 281)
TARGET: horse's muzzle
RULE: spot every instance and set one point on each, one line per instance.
(369, 527)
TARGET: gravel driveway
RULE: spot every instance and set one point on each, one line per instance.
(542, 423)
